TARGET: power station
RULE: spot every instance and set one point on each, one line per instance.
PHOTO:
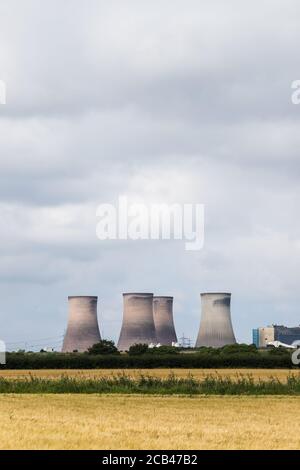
(149, 320)
(83, 329)
(163, 320)
(215, 326)
(264, 335)
(138, 322)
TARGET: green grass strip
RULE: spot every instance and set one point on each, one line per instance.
(210, 385)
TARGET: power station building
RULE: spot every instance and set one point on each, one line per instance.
(83, 329)
(149, 319)
(264, 335)
(215, 326)
(138, 322)
(163, 320)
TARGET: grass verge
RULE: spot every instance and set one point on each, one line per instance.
(171, 385)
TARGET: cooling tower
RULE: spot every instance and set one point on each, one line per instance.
(138, 324)
(215, 326)
(83, 330)
(163, 320)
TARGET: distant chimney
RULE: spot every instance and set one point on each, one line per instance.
(215, 326)
(163, 320)
(83, 330)
(138, 324)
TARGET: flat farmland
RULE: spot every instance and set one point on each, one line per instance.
(257, 374)
(148, 422)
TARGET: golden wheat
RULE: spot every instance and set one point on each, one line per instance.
(147, 422)
(263, 374)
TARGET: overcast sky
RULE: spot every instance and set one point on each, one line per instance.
(164, 101)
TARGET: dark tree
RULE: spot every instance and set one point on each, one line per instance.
(103, 347)
(138, 349)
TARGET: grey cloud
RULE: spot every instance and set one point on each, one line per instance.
(176, 102)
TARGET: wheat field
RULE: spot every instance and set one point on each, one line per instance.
(147, 422)
(263, 374)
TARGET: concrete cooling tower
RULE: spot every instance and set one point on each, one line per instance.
(215, 326)
(83, 330)
(163, 320)
(138, 324)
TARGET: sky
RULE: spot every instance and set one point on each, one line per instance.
(165, 102)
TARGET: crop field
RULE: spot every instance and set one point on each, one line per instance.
(257, 374)
(148, 422)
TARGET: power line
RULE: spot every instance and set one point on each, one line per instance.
(35, 340)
